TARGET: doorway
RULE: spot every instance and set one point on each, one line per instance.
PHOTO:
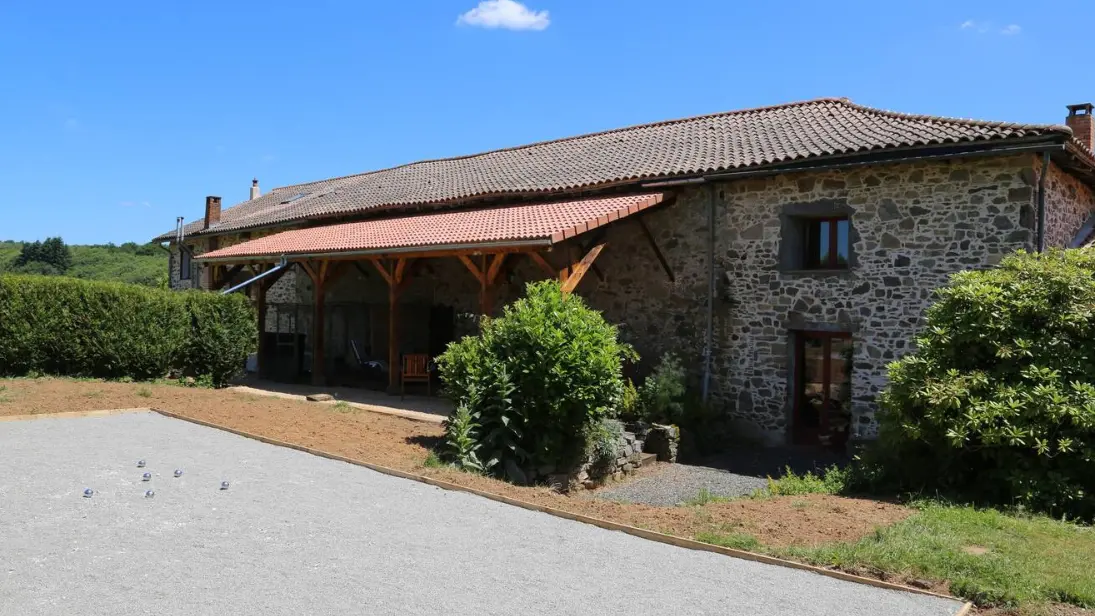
(823, 387)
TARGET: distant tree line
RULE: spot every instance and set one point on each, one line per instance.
(51, 257)
(144, 264)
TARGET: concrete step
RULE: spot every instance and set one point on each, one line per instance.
(646, 459)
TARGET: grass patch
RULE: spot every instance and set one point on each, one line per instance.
(990, 558)
(705, 497)
(732, 540)
(433, 461)
(343, 407)
(144, 392)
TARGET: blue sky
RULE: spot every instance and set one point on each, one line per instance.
(116, 117)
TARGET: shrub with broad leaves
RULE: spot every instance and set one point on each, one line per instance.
(998, 401)
(535, 380)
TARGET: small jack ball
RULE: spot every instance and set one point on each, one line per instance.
(140, 463)
(88, 493)
(178, 472)
(146, 477)
(224, 485)
(149, 494)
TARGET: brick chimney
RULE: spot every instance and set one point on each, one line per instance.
(255, 192)
(212, 211)
(1079, 120)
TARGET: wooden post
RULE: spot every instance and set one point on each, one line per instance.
(319, 366)
(393, 339)
(395, 279)
(260, 304)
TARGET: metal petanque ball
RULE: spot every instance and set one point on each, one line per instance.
(178, 472)
(88, 493)
(140, 463)
(146, 477)
(224, 485)
(149, 494)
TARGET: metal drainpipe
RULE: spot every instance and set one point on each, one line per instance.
(1042, 202)
(708, 345)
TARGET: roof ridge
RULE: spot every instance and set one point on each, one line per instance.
(935, 118)
(513, 148)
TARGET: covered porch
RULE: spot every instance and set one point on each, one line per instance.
(401, 288)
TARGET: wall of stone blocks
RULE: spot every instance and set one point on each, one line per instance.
(914, 225)
(1069, 202)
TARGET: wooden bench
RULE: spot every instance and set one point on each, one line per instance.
(416, 369)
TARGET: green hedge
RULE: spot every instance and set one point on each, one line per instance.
(73, 327)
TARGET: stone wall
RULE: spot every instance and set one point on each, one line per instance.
(1069, 203)
(913, 226)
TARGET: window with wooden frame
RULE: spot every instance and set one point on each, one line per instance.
(826, 243)
(184, 263)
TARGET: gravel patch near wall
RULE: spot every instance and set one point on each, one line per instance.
(299, 534)
(675, 484)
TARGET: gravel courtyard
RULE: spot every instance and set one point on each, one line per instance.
(299, 534)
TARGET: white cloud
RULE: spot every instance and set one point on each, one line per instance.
(506, 14)
(984, 27)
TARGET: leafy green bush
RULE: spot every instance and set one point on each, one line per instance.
(64, 326)
(603, 439)
(833, 480)
(661, 396)
(536, 378)
(998, 401)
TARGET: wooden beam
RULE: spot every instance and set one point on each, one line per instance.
(539, 259)
(495, 267)
(322, 271)
(657, 251)
(471, 267)
(400, 268)
(383, 271)
(270, 280)
(226, 277)
(579, 269)
(364, 272)
(310, 270)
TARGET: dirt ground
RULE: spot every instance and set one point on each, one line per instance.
(404, 444)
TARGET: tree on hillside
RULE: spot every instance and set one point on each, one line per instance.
(52, 252)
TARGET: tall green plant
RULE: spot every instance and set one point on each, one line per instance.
(661, 396)
(546, 370)
(998, 401)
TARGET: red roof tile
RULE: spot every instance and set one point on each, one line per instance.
(546, 222)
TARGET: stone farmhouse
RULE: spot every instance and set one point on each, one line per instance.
(785, 253)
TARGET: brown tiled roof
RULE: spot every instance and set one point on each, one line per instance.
(711, 143)
(547, 223)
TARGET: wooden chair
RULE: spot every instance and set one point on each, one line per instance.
(416, 369)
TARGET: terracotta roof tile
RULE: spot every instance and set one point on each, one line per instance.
(718, 142)
(547, 222)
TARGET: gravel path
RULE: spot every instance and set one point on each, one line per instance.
(299, 534)
(675, 484)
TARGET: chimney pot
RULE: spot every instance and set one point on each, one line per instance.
(255, 192)
(1079, 120)
(212, 211)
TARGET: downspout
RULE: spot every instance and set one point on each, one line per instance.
(708, 345)
(1041, 241)
(280, 266)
